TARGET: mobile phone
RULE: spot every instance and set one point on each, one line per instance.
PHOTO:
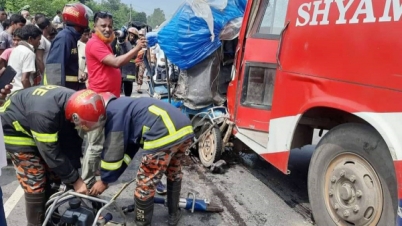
(7, 76)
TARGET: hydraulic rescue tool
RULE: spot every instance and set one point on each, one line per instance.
(80, 213)
(189, 203)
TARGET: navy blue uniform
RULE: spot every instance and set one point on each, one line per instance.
(62, 62)
(146, 123)
(34, 121)
(128, 71)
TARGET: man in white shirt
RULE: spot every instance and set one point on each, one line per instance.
(22, 58)
(82, 63)
(3, 17)
(159, 55)
(44, 47)
(27, 16)
(56, 19)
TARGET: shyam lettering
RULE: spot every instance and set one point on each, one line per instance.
(308, 13)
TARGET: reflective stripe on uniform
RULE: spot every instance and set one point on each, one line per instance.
(115, 165)
(127, 159)
(71, 78)
(45, 137)
(19, 128)
(165, 118)
(168, 139)
(5, 105)
(21, 141)
(130, 76)
(144, 130)
(45, 80)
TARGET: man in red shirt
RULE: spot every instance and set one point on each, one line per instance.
(103, 66)
(103, 76)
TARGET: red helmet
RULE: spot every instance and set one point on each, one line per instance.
(86, 110)
(107, 97)
(76, 14)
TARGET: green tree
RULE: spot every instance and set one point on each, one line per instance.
(156, 18)
(119, 10)
(47, 7)
(141, 17)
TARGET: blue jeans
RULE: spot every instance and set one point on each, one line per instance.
(2, 214)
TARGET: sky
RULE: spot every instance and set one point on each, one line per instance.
(148, 6)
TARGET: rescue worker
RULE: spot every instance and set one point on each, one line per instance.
(140, 63)
(41, 131)
(128, 71)
(163, 132)
(62, 62)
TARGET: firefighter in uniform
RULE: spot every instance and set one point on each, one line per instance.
(62, 62)
(163, 132)
(41, 131)
(139, 60)
(128, 71)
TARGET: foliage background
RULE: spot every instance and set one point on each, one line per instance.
(121, 12)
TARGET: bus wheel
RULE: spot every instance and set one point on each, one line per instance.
(351, 179)
(210, 146)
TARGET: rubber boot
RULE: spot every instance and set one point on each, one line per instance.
(143, 212)
(173, 198)
(35, 208)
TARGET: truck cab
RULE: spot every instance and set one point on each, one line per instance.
(326, 65)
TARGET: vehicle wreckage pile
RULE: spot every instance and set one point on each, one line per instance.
(200, 39)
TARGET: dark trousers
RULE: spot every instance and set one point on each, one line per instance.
(2, 214)
(77, 86)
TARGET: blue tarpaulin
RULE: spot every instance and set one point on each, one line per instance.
(193, 32)
(152, 38)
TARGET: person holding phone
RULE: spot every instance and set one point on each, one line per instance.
(128, 70)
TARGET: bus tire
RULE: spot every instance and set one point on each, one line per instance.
(351, 178)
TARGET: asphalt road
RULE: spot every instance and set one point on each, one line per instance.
(251, 191)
